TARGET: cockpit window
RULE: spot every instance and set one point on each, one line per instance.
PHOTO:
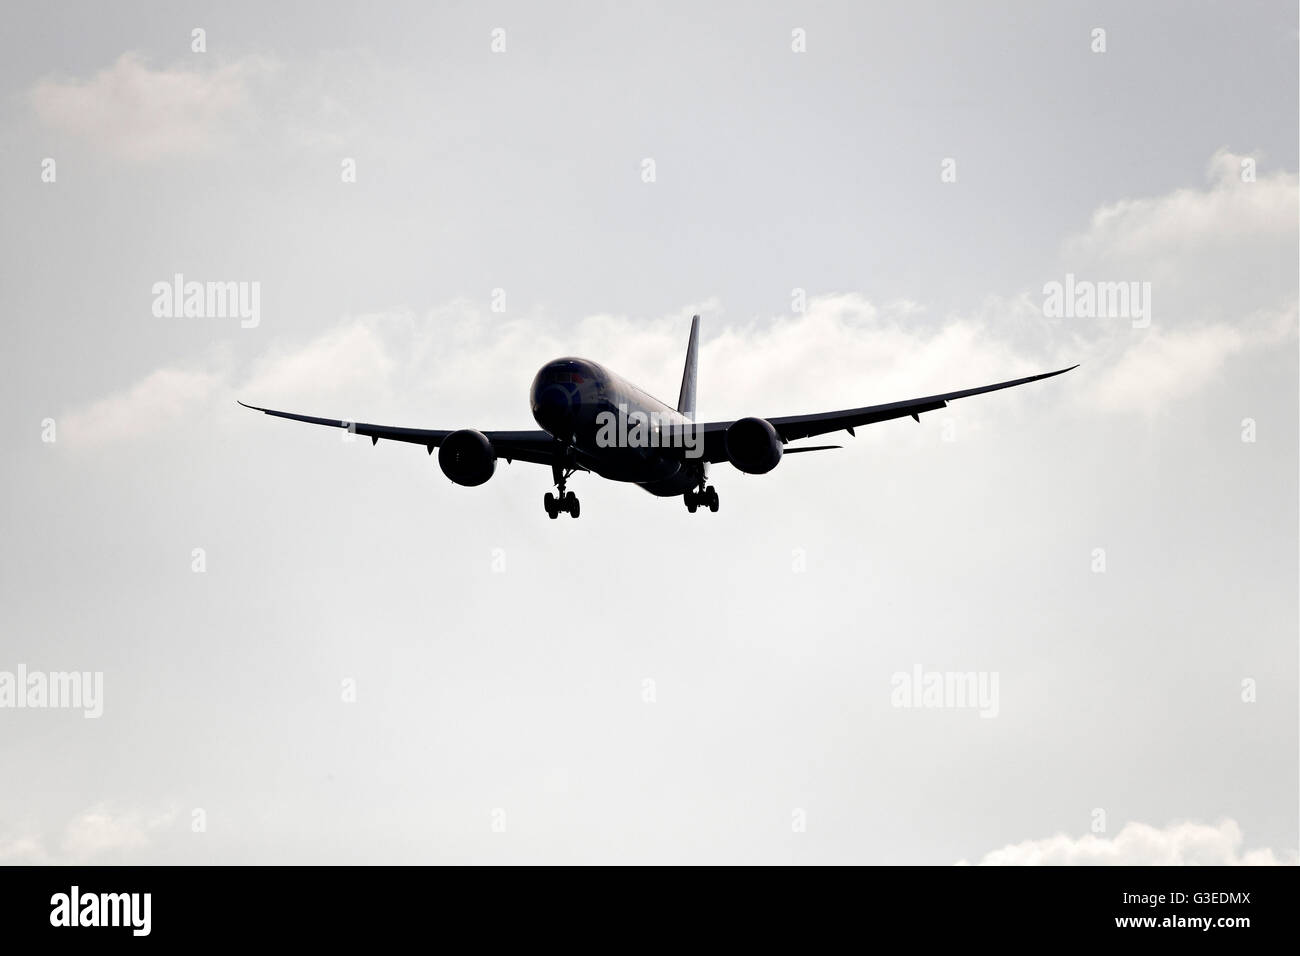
(561, 375)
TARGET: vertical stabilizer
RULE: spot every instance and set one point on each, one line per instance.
(686, 399)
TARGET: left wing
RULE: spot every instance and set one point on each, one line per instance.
(792, 427)
(533, 446)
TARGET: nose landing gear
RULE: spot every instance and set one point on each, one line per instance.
(706, 497)
(565, 501)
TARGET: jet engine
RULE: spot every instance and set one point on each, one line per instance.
(753, 445)
(467, 457)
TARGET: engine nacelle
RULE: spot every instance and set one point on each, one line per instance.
(753, 446)
(467, 457)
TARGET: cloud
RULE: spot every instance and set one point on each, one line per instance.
(162, 397)
(1166, 365)
(22, 849)
(98, 831)
(1226, 215)
(1220, 263)
(140, 113)
(1215, 253)
(353, 353)
(144, 114)
(457, 363)
(455, 366)
(88, 835)
(1139, 844)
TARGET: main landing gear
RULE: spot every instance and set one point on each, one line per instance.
(565, 501)
(705, 498)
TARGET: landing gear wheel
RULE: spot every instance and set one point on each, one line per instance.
(691, 502)
(562, 470)
(711, 498)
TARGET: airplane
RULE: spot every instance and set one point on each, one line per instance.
(595, 421)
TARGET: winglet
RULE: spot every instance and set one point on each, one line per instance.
(686, 398)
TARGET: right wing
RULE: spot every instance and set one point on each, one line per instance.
(533, 446)
(792, 427)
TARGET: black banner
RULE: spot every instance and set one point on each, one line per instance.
(976, 905)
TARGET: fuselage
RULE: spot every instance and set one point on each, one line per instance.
(577, 401)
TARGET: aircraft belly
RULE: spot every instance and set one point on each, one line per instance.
(641, 466)
(664, 475)
(679, 483)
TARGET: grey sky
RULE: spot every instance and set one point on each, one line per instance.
(499, 658)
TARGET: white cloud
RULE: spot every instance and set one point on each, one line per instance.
(88, 835)
(1139, 844)
(1220, 261)
(98, 831)
(142, 114)
(351, 354)
(467, 367)
(22, 849)
(398, 366)
(1227, 215)
(160, 398)
(1166, 366)
(1215, 253)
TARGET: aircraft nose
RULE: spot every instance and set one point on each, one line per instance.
(553, 408)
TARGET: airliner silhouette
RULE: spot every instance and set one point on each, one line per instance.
(596, 421)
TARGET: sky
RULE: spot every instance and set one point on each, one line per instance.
(305, 649)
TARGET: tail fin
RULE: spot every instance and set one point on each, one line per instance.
(686, 399)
